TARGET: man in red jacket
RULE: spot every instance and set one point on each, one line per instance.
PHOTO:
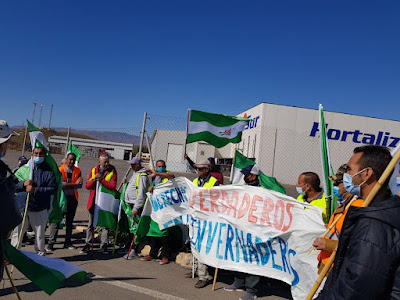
(106, 174)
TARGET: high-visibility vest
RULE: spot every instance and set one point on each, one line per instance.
(137, 183)
(320, 202)
(107, 178)
(334, 233)
(75, 173)
(162, 180)
(209, 184)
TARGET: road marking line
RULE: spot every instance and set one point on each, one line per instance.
(138, 289)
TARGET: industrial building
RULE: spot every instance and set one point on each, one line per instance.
(283, 140)
(92, 148)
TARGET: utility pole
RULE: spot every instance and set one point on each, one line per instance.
(142, 136)
(34, 109)
(40, 116)
(51, 113)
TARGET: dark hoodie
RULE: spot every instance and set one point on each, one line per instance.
(368, 255)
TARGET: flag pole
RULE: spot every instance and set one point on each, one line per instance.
(335, 221)
(367, 202)
(215, 279)
(22, 227)
(12, 282)
(187, 129)
(115, 238)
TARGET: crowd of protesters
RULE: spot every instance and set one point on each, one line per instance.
(367, 239)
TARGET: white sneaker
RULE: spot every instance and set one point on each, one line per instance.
(41, 253)
(131, 255)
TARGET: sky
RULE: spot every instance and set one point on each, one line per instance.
(104, 63)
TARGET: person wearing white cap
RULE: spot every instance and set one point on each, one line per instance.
(243, 281)
(135, 195)
(5, 134)
(205, 180)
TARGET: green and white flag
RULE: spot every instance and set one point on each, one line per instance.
(73, 149)
(46, 273)
(215, 129)
(241, 162)
(327, 170)
(36, 135)
(106, 207)
(127, 222)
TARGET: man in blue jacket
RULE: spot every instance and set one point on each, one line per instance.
(41, 188)
(366, 265)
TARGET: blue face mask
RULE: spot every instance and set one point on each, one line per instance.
(38, 160)
(300, 190)
(336, 192)
(2, 155)
(349, 186)
(161, 169)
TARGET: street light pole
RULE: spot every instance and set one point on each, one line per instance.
(34, 109)
(51, 113)
(40, 116)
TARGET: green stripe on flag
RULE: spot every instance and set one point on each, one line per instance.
(106, 219)
(31, 127)
(46, 273)
(212, 139)
(218, 120)
(270, 183)
(331, 202)
(56, 214)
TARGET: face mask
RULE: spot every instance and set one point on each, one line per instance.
(300, 190)
(336, 192)
(349, 186)
(104, 168)
(161, 169)
(2, 155)
(38, 160)
(247, 180)
(398, 182)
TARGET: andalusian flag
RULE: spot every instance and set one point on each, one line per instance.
(327, 170)
(36, 135)
(241, 162)
(73, 149)
(56, 212)
(106, 207)
(215, 129)
(46, 273)
(127, 223)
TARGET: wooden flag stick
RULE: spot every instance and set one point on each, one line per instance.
(22, 228)
(215, 279)
(12, 282)
(334, 222)
(390, 167)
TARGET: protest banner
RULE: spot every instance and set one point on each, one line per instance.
(244, 228)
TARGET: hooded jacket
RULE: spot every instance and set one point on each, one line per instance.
(367, 260)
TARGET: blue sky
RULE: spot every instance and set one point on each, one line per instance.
(104, 63)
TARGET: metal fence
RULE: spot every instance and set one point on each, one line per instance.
(281, 153)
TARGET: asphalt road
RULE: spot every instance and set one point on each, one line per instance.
(116, 278)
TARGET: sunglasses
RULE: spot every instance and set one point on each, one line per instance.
(200, 169)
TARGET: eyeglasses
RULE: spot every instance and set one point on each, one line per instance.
(200, 169)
